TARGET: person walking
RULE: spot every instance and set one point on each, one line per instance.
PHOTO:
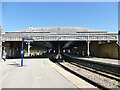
(4, 56)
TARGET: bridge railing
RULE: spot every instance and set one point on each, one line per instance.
(75, 37)
(63, 37)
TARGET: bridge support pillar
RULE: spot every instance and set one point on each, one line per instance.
(29, 49)
(119, 50)
(88, 48)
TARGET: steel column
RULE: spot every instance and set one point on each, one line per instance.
(22, 53)
(28, 49)
(88, 48)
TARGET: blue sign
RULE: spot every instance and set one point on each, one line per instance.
(22, 51)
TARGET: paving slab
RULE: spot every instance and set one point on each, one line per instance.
(80, 83)
(36, 73)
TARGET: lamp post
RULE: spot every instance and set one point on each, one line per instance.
(28, 48)
(88, 47)
(22, 51)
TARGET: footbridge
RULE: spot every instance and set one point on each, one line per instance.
(61, 34)
(79, 40)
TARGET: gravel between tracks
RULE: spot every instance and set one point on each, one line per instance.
(107, 82)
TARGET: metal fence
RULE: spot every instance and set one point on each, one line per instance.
(77, 37)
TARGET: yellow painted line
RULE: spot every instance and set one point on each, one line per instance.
(36, 70)
(72, 78)
(36, 66)
(38, 77)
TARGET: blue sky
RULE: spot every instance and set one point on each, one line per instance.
(20, 15)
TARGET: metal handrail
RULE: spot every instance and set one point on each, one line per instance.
(64, 37)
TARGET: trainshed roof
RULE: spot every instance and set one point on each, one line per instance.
(62, 30)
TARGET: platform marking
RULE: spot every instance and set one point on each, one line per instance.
(38, 77)
(36, 70)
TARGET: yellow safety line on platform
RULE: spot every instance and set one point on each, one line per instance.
(38, 77)
(79, 83)
(36, 70)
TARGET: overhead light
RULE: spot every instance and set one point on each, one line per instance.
(75, 47)
(99, 42)
(108, 41)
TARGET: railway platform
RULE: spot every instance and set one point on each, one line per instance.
(95, 59)
(37, 73)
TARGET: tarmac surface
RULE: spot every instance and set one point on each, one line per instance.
(37, 73)
(34, 74)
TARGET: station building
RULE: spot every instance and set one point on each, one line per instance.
(75, 40)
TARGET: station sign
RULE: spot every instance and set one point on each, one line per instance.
(28, 40)
(22, 52)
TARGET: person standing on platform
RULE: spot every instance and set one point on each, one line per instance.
(4, 56)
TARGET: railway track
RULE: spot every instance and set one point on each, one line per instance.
(93, 82)
(99, 66)
(98, 69)
(111, 76)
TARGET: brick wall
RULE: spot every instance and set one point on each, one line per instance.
(107, 50)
